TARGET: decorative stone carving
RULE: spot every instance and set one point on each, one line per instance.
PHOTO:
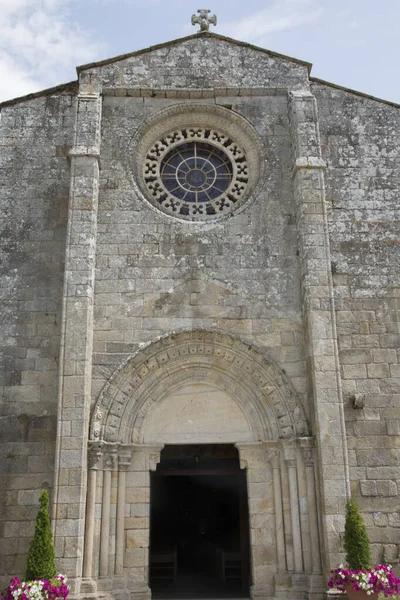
(193, 355)
(95, 455)
(203, 19)
(97, 426)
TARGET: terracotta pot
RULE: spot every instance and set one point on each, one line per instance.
(358, 594)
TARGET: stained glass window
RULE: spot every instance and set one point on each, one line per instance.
(196, 172)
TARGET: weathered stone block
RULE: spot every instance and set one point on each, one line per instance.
(137, 538)
(368, 488)
(386, 488)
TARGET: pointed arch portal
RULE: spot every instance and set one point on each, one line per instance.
(200, 388)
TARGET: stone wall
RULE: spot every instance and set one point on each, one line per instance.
(360, 138)
(156, 274)
(200, 64)
(34, 185)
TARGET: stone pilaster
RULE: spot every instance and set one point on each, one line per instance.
(319, 315)
(261, 512)
(76, 340)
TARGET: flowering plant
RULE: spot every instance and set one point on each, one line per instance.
(377, 580)
(38, 589)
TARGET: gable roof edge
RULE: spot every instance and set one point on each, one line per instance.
(206, 34)
(354, 92)
(63, 87)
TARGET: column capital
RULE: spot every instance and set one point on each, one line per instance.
(124, 458)
(273, 454)
(111, 458)
(95, 456)
(290, 452)
(307, 445)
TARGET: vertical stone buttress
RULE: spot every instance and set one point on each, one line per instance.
(319, 318)
(76, 342)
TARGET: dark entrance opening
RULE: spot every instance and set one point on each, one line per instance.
(199, 532)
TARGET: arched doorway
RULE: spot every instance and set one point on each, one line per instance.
(199, 530)
(201, 388)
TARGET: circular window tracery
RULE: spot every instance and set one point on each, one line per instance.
(196, 173)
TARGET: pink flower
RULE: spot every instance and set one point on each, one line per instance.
(378, 580)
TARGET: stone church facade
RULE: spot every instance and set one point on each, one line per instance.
(200, 248)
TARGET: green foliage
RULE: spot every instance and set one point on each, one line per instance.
(41, 555)
(356, 542)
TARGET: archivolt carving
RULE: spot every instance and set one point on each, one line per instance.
(256, 383)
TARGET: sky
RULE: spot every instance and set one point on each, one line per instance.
(353, 43)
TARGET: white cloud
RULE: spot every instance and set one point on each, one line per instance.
(279, 16)
(40, 46)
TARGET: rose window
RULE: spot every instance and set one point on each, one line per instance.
(196, 173)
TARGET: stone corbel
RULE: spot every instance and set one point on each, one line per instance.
(151, 454)
(248, 452)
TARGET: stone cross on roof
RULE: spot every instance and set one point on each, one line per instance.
(203, 19)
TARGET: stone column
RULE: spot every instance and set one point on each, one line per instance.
(124, 460)
(291, 463)
(319, 317)
(263, 550)
(273, 455)
(308, 453)
(95, 463)
(110, 464)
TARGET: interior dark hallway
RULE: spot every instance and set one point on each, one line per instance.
(199, 545)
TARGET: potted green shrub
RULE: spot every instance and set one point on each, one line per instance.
(41, 582)
(359, 579)
(41, 554)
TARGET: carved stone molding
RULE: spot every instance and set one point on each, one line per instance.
(257, 384)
